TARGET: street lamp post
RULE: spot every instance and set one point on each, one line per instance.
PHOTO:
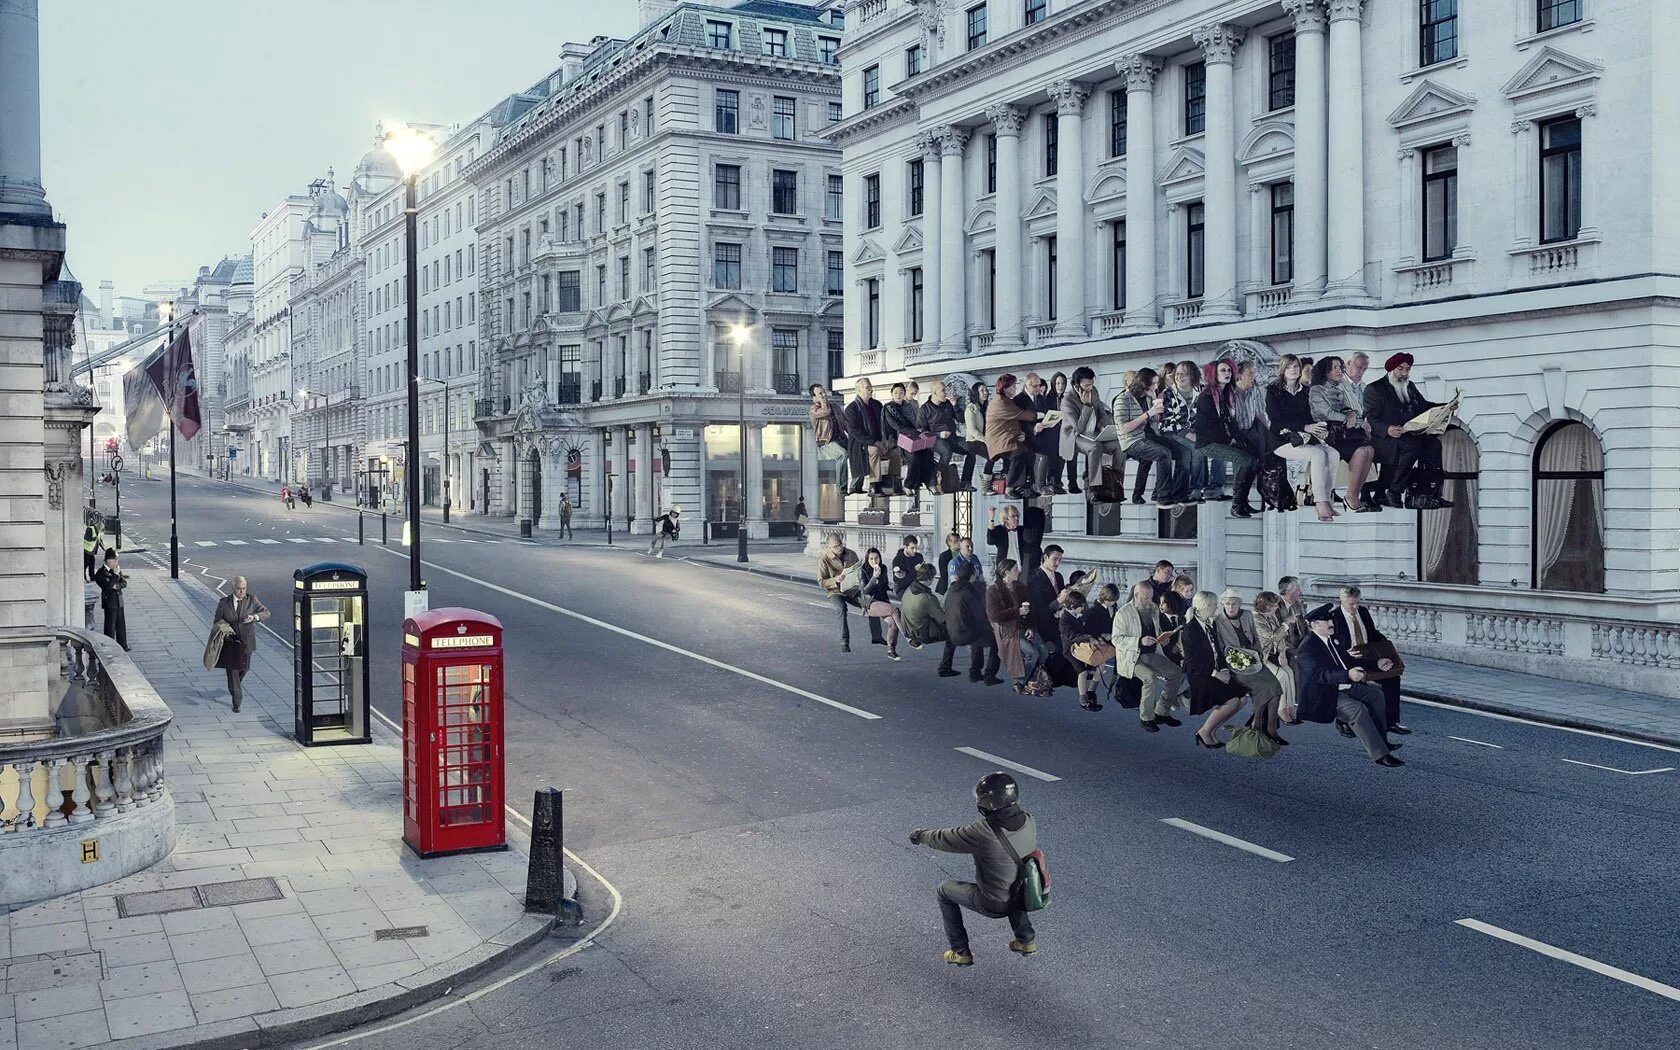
(167, 308)
(413, 150)
(742, 333)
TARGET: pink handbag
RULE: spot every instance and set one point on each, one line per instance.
(915, 444)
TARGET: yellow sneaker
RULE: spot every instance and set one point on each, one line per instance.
(956, 958)
(1025, 949)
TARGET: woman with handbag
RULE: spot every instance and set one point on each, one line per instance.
(1214, 688)
(1087, 651)
(1328, 401)
(1004, 437)
(1019, 651)
(877, 604)
(1237, 630)
(1299, 437)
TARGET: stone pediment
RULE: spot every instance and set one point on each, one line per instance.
(1430, 101)
(1548, 70)
(1043, 204)
(1274, 138)
(908, 241)
(868, 251)
(982, 218)
(1185, 163)
(642, 307)
(1106, 186)
(730, 303)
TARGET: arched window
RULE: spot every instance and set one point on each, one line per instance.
(1568, 511)
(1446, 539)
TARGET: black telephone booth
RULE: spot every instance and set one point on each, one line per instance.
(329, 646)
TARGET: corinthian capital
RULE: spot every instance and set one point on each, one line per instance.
(1140, 72)
(1219, 43)
(1006, 120)
(1070, 96)
(931, 14)
(1309, 15)
(928, 143)
(1341, 10)
(952, 140)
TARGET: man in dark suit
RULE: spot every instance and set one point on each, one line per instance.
(1390, 403)
(1045, 589)
(867, 438)
(1328, 688)
(241, 611)
(1356, 635)
(112, 583)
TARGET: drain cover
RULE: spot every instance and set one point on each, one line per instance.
(242, 891)
(400, 933)
(156, 902)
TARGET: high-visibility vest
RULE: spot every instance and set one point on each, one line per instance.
(90, 541)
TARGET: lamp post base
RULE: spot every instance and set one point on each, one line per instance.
(416, 603)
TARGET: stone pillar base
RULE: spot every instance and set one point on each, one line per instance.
(758, 529)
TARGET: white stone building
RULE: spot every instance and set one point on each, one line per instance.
(237, 416)
(654, 194)
(328, 351)
(276, 257)
(1485, 186)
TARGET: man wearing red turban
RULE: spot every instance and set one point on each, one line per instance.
(1411, 463)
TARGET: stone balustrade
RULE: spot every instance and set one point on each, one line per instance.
(85, 802)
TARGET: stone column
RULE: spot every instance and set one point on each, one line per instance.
(1524, 202)
(1312, 217)
(595, 477)
(1219, 45)
(1347, 140)
(1140, 72)
(1070, 99)
(752, 475)
(20, 132)
(1006, 126)
(1407, 235)
(933, 261)
(953, 304)
(644, 481)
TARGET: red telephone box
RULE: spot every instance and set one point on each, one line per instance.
(453, 779)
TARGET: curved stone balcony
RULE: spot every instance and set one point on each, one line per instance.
(83, 801)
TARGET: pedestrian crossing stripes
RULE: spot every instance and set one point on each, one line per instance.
(323, 539)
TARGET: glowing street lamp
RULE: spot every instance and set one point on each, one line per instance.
(412, 149)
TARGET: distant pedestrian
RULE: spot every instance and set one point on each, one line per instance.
(112, 582)
(801, 517)
(286, 496)
(665, 529)
(241, 611)
(1002, 842)
(566, 517)
(303, 494)
(91, 542)
(840, 580)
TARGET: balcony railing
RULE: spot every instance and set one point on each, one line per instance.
(1109, 322)
(618, 386)
(1185, 312)
(787, 382)
(103, 764)
(728, 382)
(570, 392)
(1268, 301)
(644, 382)
(595, 390)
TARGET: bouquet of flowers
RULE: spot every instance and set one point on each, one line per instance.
(1244, 663)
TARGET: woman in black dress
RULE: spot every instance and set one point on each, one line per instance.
(1214, 690)
(877, 603)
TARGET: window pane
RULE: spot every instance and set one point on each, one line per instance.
(1195, 98)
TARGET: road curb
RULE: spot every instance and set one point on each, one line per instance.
(1491, 707)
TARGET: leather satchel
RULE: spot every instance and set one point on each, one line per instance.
(1383, 650)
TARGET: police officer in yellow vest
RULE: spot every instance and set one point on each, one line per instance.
(90, 549)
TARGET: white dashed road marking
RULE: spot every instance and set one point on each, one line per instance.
(986, 756)
(1229, 840)
(268, 541)
(236, 543)
(1616, 972)
(1478, 743)
(1613, 769)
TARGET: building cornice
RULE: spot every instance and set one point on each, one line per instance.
(898, 110)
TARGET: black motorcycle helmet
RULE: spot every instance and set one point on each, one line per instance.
(996, 791)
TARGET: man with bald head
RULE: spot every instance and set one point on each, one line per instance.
(241, 611)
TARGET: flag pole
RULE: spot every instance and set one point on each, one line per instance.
(174, 536)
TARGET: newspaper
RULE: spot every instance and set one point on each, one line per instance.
(1434, 421)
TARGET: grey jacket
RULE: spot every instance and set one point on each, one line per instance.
(994, 868)
(1123, 410)
(1075, 414)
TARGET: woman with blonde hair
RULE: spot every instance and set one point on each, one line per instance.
(1214, 688)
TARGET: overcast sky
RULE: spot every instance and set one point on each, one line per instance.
(169, 126)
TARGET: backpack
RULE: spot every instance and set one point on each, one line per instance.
(1032, 874)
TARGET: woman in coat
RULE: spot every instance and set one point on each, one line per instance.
(1297, 436)
(1075, 628)
(1085, 416)
(877, 603)
(1327, 399)
(1237, 630)
(966, 624)
(1214, 438)
(1214, 689)
(1004, 420)
(1277, 649)
(1008, 611)
(241, 611)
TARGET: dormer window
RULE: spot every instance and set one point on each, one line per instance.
(775, 43)
(720, 35)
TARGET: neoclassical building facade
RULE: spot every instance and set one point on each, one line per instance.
(1034, 185)
(660, 255)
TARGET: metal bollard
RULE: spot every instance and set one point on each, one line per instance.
(545, 878)
(384, 529)
(360, 539)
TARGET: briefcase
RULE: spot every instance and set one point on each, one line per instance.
(1375, 651)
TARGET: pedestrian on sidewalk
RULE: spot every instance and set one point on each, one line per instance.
(566, 517)
(241, 611)
(1004, 833)
(665, 529)
(112, 582)
(801, 516)
(843, 593)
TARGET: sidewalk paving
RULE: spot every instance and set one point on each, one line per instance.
(1577, 705)
(342, 924)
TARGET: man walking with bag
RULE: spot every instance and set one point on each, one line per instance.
(241, 611)
(1003, 842)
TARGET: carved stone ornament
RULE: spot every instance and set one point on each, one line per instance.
(1263, 356)
(928, 143)
(952, 140)
(758, 112)
(1461, 140)
(586, 147)
(55, 481)
(932, 16)
(1219, 43)
(635, 122)
(1006, 120)
(1070, 96)
(1341, 10)
(957, 386)
(1140, 72)
(1309, 15)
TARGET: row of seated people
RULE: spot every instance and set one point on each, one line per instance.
(1161, 645)
(1187, 424)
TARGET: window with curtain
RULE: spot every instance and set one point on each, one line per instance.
(1446, 539)
(1568, 510)
(1560, 180)
(1440, 202)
